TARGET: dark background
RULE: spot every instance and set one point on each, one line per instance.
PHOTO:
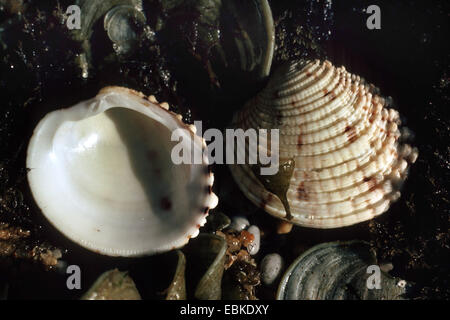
(407, 59)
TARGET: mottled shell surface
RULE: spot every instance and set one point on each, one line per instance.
(338, 271)
(350, 160)
(102, 173)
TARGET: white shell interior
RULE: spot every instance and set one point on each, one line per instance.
(101, 172)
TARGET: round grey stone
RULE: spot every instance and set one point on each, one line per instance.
(253, 248)
(271, 267)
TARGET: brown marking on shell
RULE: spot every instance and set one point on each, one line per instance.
(299, 140)
(305, 174)
(325, 91)
(388, 133)
(301, 192)
(372, 183)
(351, 133)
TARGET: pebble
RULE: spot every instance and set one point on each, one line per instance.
(284, 227)
(387, 267)
(271, 267)
(239, 223)
(253, 248)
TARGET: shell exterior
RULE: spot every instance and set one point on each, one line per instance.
(177, 288)
(206, 255)
(121, 24)
(337, 271)
(239, 34)
(254, 34)
(349, 159)
(92, 11)
(102, 173)
(113, 285)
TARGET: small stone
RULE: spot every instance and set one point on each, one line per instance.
(253, 248)
(387, 267)
(239, 223)
(271, 267)
(284, 227)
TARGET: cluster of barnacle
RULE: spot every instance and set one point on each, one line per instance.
(242, 275)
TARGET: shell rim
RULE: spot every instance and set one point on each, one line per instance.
(285, 278)
(209, 200)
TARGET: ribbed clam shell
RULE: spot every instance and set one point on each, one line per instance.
(349, 164)
(102, 174)
(337, 271)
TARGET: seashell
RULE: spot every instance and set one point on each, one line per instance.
(102, 174)
(216, 221)
(238, 36)
(201, 270)
(117, 11)
(271, 267)
(254, 247)
(206, 264)
(122, 24)
(341, 157)
(253, 35)
(113, 285)
(337, 271)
